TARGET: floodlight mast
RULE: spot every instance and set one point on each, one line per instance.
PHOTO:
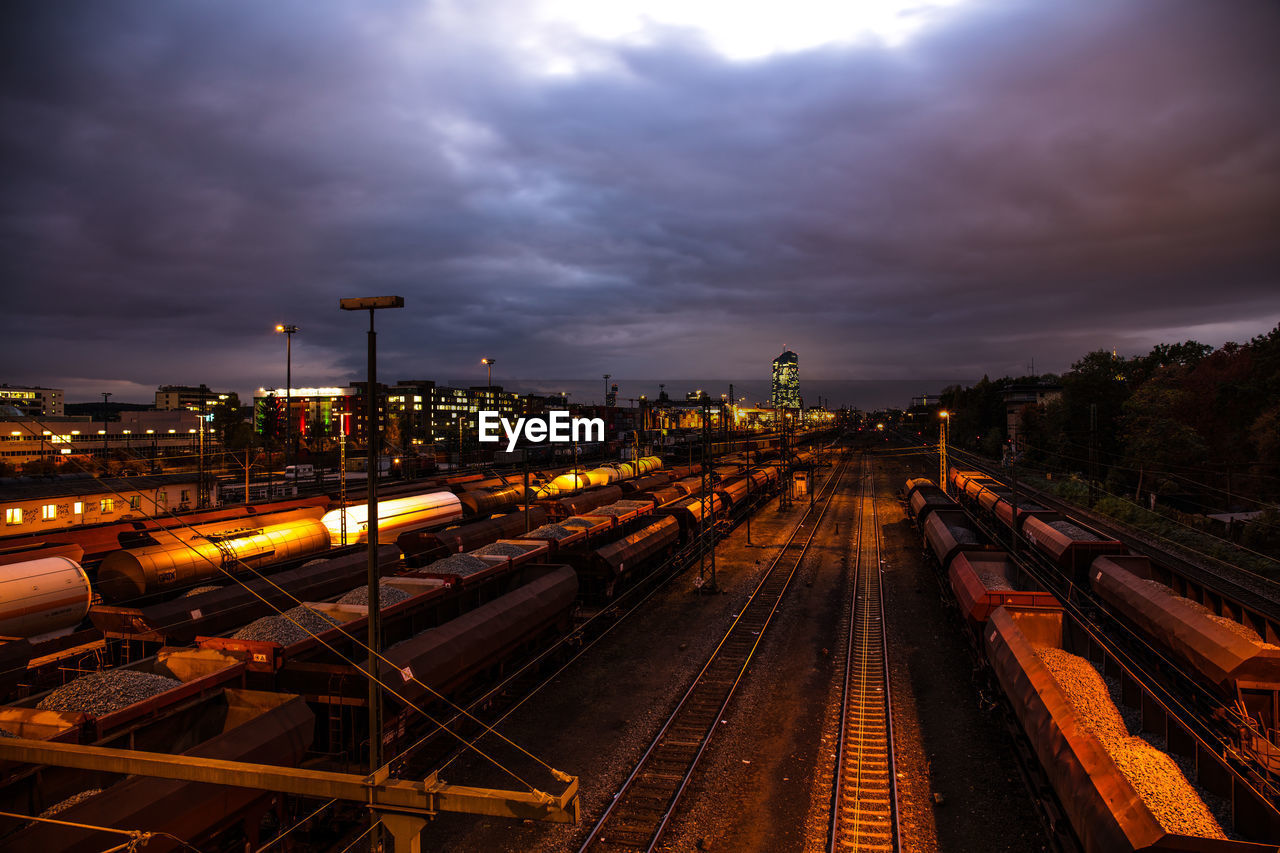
(371, 304)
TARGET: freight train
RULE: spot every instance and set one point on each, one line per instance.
(139, 559)
(1118, 791)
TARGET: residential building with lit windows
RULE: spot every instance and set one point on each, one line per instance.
(786, 381)
(33, 400)
(193, 398)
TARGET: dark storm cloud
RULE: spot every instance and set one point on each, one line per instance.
(1022, 180)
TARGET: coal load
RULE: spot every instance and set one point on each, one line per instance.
(100, 693)
(387, 596)
(292, 626)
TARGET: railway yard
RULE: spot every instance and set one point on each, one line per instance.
(805, 648)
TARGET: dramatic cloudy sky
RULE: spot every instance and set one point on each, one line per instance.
(650, 189)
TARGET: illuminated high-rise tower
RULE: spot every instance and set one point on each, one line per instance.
(786, 381)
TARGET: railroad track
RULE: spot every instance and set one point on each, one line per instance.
(641, 810)
(864, 803)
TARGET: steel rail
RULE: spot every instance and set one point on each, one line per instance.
(642, 808)
(864, 803)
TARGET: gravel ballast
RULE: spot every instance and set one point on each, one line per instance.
(1074, 532)
(387, 596)
(1199, 609)
(100, 693)
(458, 564)
(279, 629)
(503, 549)
(70, 801)
(1153, 774)
(549, 531)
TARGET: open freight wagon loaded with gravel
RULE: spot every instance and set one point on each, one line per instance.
(1128, 778)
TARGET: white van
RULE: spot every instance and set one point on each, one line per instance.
(299, 472)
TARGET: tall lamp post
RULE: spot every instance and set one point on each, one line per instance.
(288, 331)
(489, 362)
(607, 377)
(371, 304)
(942, 449)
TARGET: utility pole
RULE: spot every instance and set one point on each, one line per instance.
(288, 330)
(1093, 453)
(942, 450)
(105, 413)
(1013, 500)
(202, 490)
(342, 475)
(607, 376)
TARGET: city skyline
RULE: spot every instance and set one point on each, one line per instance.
(943, 189)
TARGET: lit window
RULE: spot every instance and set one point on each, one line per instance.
(107, 505)
(13, 515)
(135, 503)
(79, 508)
(49, 512)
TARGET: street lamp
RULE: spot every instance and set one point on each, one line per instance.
(942, 448)
(372, 304)
(607, 376)
(489, 362)
(288, 331)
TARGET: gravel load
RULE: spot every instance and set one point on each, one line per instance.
(286, 629)
(1199, 609)
(1074, 532)
(100, 693)
(6, 733)
(387, 595)
(549, 531)
(577, 522)
(458, 564)
(992, 578)
(200, 590)
(503, 549)
(1153, 774)
(963, 535)
(69, 802)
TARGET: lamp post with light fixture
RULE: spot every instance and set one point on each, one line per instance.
(288, 330)
(942, 448)
(372, 304)
(489, 362)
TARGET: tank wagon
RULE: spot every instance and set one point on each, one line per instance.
(431, 509)
(42, 596)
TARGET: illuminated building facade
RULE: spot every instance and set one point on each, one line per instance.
(33, 401)
(786, 381)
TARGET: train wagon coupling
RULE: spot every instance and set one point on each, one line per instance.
(403, 805)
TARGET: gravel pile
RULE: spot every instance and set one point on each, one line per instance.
(280, 629)
(458, 564)
(549, 531)
(1074, 532)
(387, 595)
(577, 522)
(622, 507)
(1197, 609)
(101, 693)
(992, 578)
(69, 802)
(503, 549)
(1153, 774)
(199, 591)
(963, 535)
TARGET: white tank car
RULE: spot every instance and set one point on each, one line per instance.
(39, 596)
(394, 515)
